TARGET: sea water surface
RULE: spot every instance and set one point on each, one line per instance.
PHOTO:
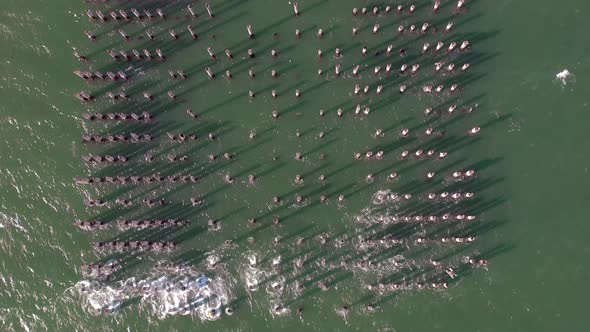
(531, 159)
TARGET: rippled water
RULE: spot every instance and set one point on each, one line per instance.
(530, 186)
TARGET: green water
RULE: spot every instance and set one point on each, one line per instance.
(530, 157)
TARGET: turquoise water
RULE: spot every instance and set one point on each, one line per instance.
(530, 158)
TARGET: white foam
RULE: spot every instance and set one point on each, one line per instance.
(565, 77)
(183, 292)
(380, 196)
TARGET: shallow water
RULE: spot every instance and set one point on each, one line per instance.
(530, 160)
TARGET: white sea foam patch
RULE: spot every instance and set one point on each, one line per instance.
(252, 273)
(565, 77)
(184, 291)
(385, 197)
